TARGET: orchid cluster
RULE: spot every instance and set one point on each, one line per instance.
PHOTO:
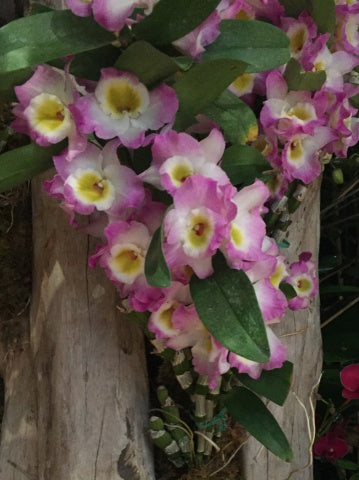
(181, 194)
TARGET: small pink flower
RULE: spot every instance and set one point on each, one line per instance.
(122, 107)
(111, 14)
(349, 377)
(44, 108)
(304, 281)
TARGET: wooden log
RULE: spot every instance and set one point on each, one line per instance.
(300, 331)
(91, 378)
(76, 391)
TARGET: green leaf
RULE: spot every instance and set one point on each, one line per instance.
(260, 44)
(354, 477)
(294, 7)
(237, 121)
(146, 62)
(21, 164)
(346, 464)
(272, 384)
(201, 85)
(36, 8)
(248, 410)
(355, 100)
(298, 80)
(288, 290)
(9, 80)
(323, 13)
(227, 305)
(140, 318)
(243, 164)
(156, 269)
(171, 20)
(40, 38)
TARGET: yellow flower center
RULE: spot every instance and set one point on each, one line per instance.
(199, 232)
(243, 83)
(237, 236)
(180, 173)
(92, 187)
(303, 285)
(295, 150)
(121, 97)
(301, 112)
(298, 39)
(128, 261)
(166, 317)
(50, 114)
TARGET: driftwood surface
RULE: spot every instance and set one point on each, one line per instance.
(76, 390)
(300, 331)
(77, 395)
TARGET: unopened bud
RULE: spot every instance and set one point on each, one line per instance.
(337, 176)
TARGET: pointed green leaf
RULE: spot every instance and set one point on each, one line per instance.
(201, 85)
(272, 384)
(171, 20)
(248, 410)
(323, 13)
(294, 7)
(346, 464)
(243, 164)
(146, 62)
(156, 269)
(288, 290)
(227, 305)
(40, 38)
(298, 80)
(21, 164)
(257, 43)
(237, 121)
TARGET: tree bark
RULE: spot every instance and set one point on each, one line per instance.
(300, 331)
(76, 392)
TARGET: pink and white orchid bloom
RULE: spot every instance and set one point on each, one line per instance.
(301, 32)
(300, 156)
(304, 281)
(318, 57)
(122, 107)
(289, 113)
(95, 180)
(181, 326)
(43, 110)
(198, 223)
(247, 229)
(111, 14)
(177, 156)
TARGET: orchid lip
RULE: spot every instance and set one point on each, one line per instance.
(127, 262)
(91, 188)
(48, 115)
(118, 98)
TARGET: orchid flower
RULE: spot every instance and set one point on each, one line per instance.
(43, 110)
(121, 106)
(111, 14)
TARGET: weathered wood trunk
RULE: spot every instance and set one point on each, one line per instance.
(76, 391)
(76, 397)
(300, 331)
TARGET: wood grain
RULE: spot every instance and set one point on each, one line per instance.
(305, 351)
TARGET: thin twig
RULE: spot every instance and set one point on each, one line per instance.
(342, 197)
(230, 458)
(297, 332)
(334, 272)
(339, 312)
